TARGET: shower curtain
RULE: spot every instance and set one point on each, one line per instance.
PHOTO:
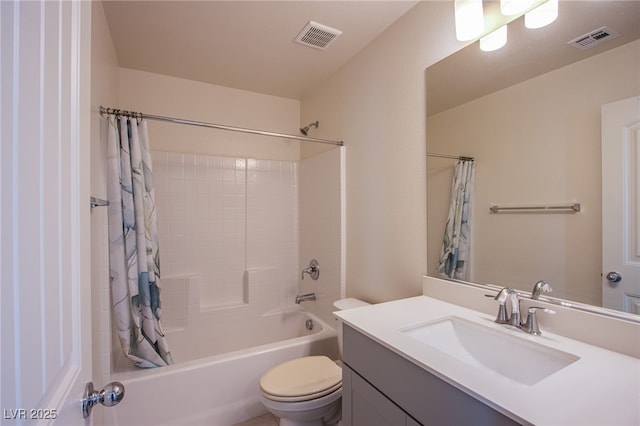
(455, 252)
(133, 244)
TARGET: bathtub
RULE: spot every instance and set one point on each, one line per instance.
(215, 378)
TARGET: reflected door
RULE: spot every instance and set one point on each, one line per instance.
(621, 205)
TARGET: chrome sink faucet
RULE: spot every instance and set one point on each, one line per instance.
(514, 319)
(531, 323)
(539, 287)
(503, 317)
(501, 297)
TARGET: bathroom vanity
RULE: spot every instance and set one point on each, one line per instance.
(380, 387)
(422, 360)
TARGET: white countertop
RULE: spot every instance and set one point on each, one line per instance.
(601, 388)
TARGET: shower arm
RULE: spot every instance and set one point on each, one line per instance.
(305, 130)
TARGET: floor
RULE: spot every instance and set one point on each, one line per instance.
(265, 420)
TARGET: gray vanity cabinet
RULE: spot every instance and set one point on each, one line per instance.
(362, 404)
(382, 388)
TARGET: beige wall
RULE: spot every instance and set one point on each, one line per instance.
(175, 97)
(376, 104)
(544, 134)
(320, 224)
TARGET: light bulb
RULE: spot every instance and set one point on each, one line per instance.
(495, 40)
(469, 19)
(542, 15)
(514, 7)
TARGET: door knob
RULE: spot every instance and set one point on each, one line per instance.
(614, 277)
(111, 395)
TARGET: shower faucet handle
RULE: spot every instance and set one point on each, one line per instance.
(313, 270)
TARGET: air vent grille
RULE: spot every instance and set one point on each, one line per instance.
(317, 35)
(594, 38)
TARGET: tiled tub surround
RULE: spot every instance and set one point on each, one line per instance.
(220, 217)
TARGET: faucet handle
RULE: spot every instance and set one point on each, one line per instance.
(313, 270)
(531, 324)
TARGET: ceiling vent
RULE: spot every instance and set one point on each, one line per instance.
(317, 35)
(594, 38)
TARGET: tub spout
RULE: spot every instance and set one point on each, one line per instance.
(305, 297)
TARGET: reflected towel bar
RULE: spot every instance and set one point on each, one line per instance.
(452, 157)
(570, 208)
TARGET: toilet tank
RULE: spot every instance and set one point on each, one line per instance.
(341, 305)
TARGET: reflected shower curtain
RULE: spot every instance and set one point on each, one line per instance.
(455, 253)
(133, 244)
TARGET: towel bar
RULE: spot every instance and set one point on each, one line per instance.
(570, 208)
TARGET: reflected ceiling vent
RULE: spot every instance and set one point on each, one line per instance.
(317, 35)
(594, 38)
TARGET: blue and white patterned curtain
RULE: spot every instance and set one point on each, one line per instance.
(134, 261)
(456, 244)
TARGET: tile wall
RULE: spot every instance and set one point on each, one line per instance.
(221, 216)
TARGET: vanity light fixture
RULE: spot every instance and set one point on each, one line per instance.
(494, 40)
(542, 15)
(469, 18)
(514, 7)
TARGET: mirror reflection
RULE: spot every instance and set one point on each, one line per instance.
(530, 115)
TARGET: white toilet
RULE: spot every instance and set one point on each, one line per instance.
(307, 391)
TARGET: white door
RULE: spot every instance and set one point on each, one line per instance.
(45, 344)
(621, 205)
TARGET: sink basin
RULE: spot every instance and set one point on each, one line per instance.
(517, 359)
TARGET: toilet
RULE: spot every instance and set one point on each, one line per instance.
(307, 391)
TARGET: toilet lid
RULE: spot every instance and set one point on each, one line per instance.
(301, 379)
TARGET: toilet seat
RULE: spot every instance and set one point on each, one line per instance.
(301, 379)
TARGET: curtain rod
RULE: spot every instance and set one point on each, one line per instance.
(453, 157)
(140, 116)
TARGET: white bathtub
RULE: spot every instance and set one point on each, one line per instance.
(215, 380)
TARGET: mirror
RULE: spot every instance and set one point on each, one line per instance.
(529, 114)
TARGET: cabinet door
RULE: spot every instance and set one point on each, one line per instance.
(364, 405)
